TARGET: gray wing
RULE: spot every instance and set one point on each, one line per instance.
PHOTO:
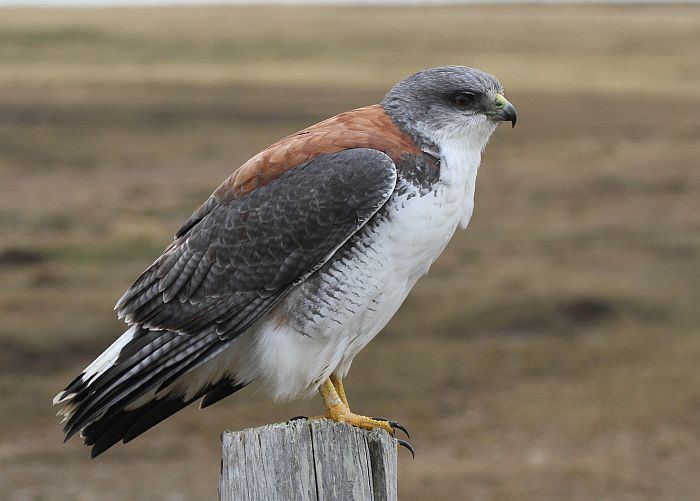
(233, 260)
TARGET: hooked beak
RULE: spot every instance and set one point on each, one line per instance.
(503, 111)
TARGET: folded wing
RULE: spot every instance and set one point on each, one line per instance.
(232, 261)
(235, 259)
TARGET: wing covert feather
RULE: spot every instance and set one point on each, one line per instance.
(233, 260)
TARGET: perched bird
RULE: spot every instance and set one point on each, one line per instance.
(296, 261)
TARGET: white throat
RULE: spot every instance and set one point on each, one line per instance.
(460, 156)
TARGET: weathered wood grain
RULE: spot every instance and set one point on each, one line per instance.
(316, 460)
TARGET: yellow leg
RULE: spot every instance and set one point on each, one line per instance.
(339, 412)
(338, 384)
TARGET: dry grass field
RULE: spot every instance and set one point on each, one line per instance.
(553, 351)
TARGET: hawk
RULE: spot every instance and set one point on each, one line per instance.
(296, 261)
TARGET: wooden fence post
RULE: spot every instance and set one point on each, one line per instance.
(309, 460)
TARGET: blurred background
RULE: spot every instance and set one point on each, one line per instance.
(551, 353)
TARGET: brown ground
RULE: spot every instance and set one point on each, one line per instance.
(552, 352)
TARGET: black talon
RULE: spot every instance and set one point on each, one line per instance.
(407, 446)
(297, 418)
(394, 424)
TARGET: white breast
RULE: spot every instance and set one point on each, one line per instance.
(320, 327)
(423, 226)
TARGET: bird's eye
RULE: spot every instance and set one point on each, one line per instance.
(463, 100)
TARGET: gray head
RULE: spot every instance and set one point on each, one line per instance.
(451, 103)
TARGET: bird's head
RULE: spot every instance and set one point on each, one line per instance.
(451, 103)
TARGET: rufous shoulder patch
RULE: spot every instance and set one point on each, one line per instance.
(368, 127)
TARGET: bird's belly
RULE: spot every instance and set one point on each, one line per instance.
(321, 325)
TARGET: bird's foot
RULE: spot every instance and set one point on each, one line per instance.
(370, 423)
(367, 423)
(338, 410)
(341, 414)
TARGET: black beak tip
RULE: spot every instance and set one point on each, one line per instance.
(511, 114)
